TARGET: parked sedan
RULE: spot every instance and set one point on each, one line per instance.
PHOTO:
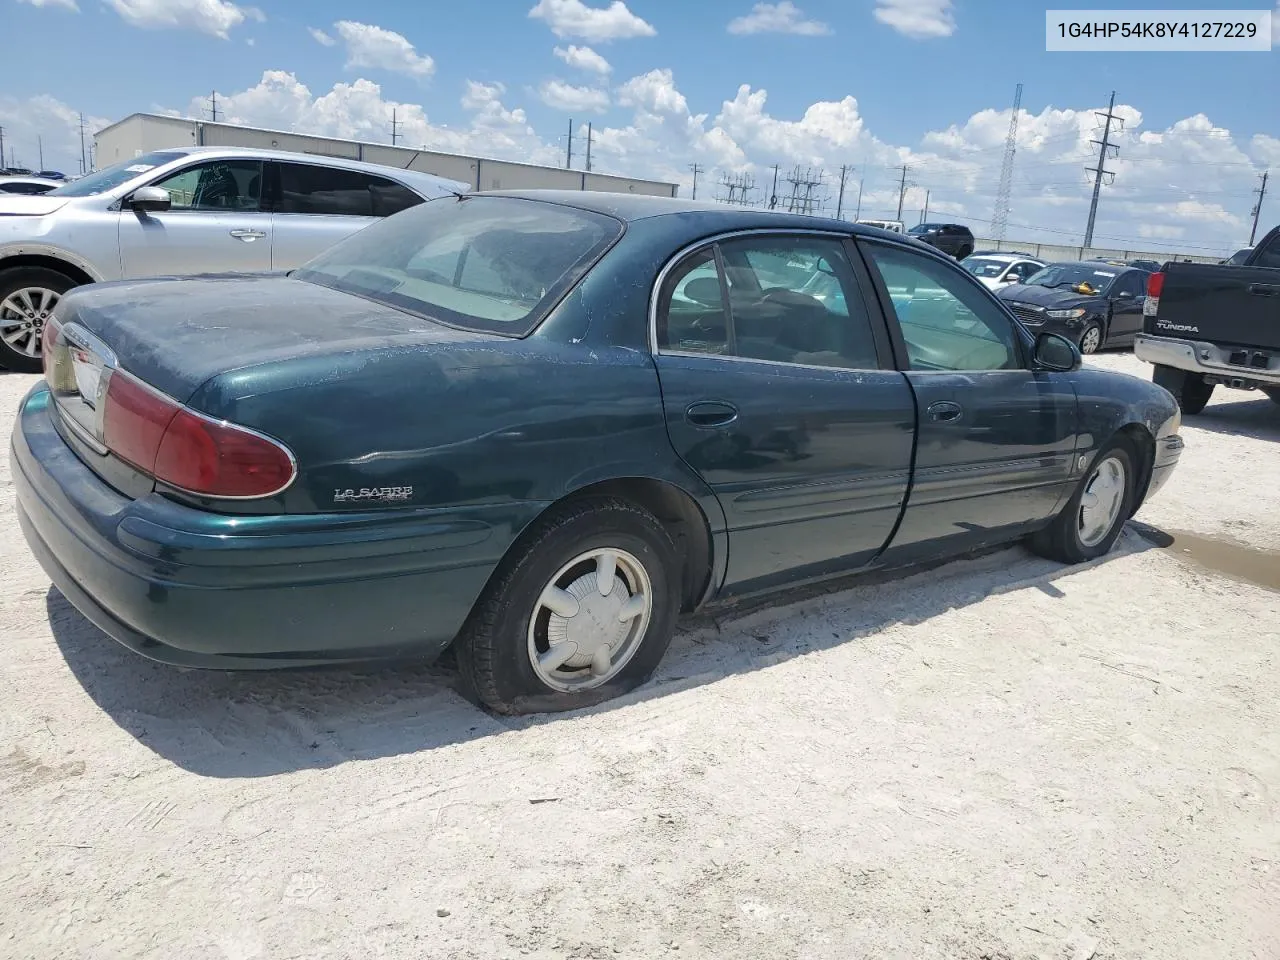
(27, 186)
(995, 270)
(1094, 304)
(539, 426)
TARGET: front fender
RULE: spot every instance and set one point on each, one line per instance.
(30, 248)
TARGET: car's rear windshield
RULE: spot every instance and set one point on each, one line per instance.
(984, 267)
(484, 263)
(108, 178)
(1087, 278)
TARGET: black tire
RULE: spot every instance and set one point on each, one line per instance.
(1092, 325)
(20, 278)
(1171, 378)
(1062, 540)
(494, 645)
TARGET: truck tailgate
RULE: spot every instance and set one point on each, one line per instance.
(1219, 304)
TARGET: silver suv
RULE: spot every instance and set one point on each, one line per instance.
(183, 211)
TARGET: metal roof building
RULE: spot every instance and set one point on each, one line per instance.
(141, 133)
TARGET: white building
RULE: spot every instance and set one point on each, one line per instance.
(143, 132)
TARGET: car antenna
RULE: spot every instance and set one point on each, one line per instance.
(460, 196)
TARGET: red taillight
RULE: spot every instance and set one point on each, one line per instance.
(207, 457)
(1155, 283)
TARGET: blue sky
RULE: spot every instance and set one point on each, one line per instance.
(733, 85)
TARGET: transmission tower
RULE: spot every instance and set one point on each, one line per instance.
(1000, 219)
(805, 186)
(737, 189)
(1099, 172)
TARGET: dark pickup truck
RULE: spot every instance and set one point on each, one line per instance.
(1210, 324)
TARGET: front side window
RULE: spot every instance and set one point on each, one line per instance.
(483, 263)
(330, 191)
(947, 322)
(1134, 284)
(791, 299)
(1269, 256)
(1024, 269)
(218, 185)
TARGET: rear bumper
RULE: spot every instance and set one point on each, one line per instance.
(1208, 359)
(197, 589)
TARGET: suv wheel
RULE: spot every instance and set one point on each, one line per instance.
(27, 298)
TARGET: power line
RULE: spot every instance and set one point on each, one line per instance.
(1257, 208)
(1103, 146)
(1005, 191)
(697, 169)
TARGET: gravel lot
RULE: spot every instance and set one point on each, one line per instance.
(999, 758)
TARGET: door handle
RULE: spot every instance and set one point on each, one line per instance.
(711, 413)
(944, 411)
(248, 236)
(1264, 290)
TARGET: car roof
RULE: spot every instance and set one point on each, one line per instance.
(414, 178)
(23, 178)
(630, 207)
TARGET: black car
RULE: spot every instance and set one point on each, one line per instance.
(1093, 303)
(950, 238)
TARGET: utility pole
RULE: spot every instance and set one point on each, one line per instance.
(213, 105)
(588, 146)
(40, 149)
(857, 213)
(773, 193)
(395, 128)
(1, 148)
(697, 169)
(1261, 191)
(844, 172)
(1099, 172)
(83, 169)
(924, 214)
(568, 155)
(902, 191)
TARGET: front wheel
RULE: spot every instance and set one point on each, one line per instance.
(27, 298)
(1091, 338)
(1091, 521)
(581, 611)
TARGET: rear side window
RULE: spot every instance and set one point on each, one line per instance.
(329, 191)
(483, 263)
(1269, 256)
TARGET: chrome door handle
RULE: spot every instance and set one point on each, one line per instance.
(248, 236)
(944, 411)
(711, 413)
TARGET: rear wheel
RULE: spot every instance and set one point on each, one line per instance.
(27, 298)
(1091, 521)
(582, 611)
(1189, 389)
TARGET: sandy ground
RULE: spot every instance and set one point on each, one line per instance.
(1000, 758)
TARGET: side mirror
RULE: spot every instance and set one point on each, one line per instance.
(1124, 295)
(1056, 353)
(150, 200)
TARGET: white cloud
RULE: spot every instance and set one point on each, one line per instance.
(320, 37)
(784, 17)
(375, 48)
(565, 96)
(33, 125)
(573, 18)
(917, 19)
(214, 17)
(583, 58)
(65, 4)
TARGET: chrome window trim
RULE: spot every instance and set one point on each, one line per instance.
(679, 257)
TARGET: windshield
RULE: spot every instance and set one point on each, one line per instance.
(484, 263)
(108, 178)
(1086, 278)
(984, 266)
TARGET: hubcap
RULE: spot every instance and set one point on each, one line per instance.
(590, 619)
(1091, 340)
(1100, 504)
(22, 317)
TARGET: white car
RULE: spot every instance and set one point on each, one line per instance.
(893, 226)
(995, 270)
(28, 186)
